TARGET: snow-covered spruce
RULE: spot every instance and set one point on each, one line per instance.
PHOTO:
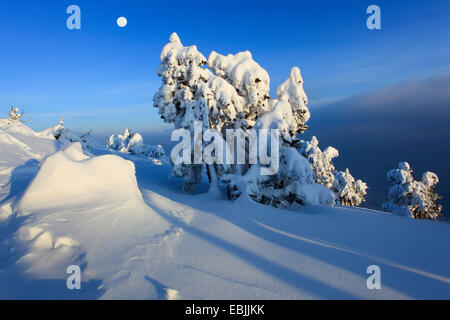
(234, 94)
(349, 192)
(321, 161)
(133, 143)
(15, 116)
(182, 97)
(64, 135)
(408, 197)
(229, 99)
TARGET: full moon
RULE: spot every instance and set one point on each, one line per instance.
(122, 22)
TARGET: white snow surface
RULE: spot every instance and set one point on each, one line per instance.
(136, 235)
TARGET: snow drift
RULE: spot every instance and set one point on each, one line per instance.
(69, 178)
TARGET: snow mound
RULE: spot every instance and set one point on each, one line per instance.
(16, 127)
(46, 252)
(69, 178)
(21, 149)
(20, 144)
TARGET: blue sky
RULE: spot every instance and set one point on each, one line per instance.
(102, 77)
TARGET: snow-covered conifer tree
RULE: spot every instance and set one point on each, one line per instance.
(408, 197)
(192, 93)
(432, 210)
(321, 161)
(234, 94)
(133, 143)
(294, 180)
(64, 135)
(349, 192)
(15, 116)
(183, 98)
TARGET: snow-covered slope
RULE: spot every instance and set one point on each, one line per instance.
(21, 149)
(136, 235)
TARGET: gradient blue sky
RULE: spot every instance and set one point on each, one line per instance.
(102, 77)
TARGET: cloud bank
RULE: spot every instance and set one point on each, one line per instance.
(375, 130)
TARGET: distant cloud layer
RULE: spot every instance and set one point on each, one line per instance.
(375, 130)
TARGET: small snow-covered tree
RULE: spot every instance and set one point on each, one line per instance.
(432, 210)
(348, 191)
(133, 143)
(15, 116)
(415, 199)
(321, 161)
(64, 135)
(59, 129)
(120, 142)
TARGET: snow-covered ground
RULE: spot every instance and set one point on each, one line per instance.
(135, 235)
